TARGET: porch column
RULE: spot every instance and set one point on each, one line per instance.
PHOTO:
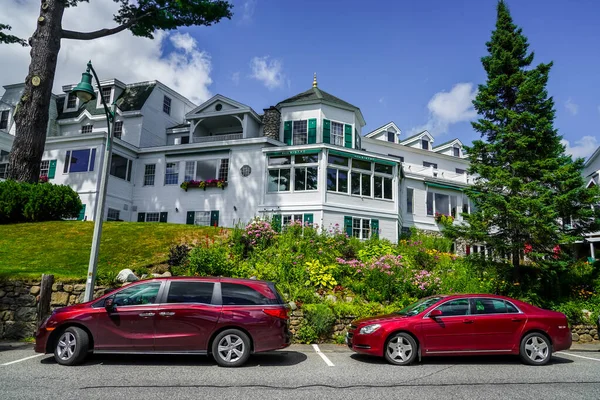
(592, 252)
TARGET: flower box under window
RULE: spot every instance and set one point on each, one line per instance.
(203, 184)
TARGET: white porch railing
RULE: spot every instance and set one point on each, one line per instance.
(217, 138)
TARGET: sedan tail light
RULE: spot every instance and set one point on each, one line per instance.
(277, 312)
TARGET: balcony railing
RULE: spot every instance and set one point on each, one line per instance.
(437, 173)
(217, 138)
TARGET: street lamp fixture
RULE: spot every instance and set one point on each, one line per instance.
(85, 92)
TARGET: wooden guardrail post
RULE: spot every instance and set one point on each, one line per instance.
(43, 307)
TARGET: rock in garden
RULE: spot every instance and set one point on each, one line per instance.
(34, 290)
(126, 275)
(575, 337)
(292, 305)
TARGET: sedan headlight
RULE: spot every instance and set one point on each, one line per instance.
(365, 330)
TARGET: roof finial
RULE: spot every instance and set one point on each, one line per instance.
(315, 80)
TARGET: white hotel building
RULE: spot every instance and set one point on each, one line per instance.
(306, 158)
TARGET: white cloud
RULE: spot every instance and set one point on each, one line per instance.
(248, 11)
(583, 147)
(571, 107)
(235, 77)
(123, 56)
(447, 108)
(268, 71)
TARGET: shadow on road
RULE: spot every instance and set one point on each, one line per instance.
(475, 360)
(15, 346)
(269, 359)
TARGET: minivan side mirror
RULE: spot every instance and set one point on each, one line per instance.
(109, 305)
(435, 314)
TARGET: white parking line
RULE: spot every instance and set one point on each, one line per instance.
(575, 355)
(22, 359)
(323, 356)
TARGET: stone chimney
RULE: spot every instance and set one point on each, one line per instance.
(271, 122)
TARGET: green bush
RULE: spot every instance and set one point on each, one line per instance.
(306, 334)
(209, 261)
(36, 202)
(178, 255)
(319, 317)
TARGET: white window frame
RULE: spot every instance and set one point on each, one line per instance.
(393, 136)
(7, 118)
(449, 211)
(90, 164)
(153, 214)
(292, 167)
(167, 103)
(44, 167)
(3, 170)
(101, 95)
(172, 174)
(222, 168)
(305, 133)
(200, 217)
(87, 127)
(119, 125)
(335, 139)
(423, 141)
(147, 175)
(410, 197)
(383, 176)
(128, 168)
(454, 149)
(363, 233)
(67, 101)
(110, 214)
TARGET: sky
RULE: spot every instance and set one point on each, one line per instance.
(416, 63)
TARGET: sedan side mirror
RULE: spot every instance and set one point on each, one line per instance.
(435, 314)
(109, 305)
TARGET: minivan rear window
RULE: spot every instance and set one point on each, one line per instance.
(241, 295)
(190, 292)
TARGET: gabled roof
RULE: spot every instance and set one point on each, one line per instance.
(592, 157)
(446, 144)
(382, 128)
(315, 95)
(416, 137)
(220, 98)
(133, 98)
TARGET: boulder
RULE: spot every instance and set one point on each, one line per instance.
(57, 287)
(34, 290)
(585, 338)
(68, 288)
(2, 293)
(292, 305)
(25, 314)
(26, 300)
(59, 299)
(575, 337)
(126, 275)
(165, 275)
(79, 288)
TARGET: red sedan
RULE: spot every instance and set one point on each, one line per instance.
(468, 324)
(229, 318)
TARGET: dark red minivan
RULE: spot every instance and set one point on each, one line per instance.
(228, 318)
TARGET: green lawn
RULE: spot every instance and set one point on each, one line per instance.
(62, 248)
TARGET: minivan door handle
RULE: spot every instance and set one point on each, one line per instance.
(166, 314)
(146, 314)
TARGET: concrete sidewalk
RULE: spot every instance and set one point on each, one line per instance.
(594, 347)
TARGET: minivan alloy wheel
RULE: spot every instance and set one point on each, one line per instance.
(66, 346)
(231, 348)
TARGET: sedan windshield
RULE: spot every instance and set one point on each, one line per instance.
(419, 306)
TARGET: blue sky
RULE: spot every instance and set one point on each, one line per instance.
(391, 58)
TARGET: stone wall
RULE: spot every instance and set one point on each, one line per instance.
(271, 122)
(339, 328)
(19, 301)
(585, 334)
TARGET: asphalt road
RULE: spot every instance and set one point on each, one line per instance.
(298, 372)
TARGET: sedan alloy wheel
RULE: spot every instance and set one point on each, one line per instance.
(401, 349)
(536, 349)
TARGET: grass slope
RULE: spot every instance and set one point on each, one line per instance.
(62, 248)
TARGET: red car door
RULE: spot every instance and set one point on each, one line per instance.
(498, 325)
(130, 325)
(451, 332)
(187, 318)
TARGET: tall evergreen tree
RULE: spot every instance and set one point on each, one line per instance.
(529, 196)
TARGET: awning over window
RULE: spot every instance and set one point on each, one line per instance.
(442, 186)
(361, 157)
(293, 152)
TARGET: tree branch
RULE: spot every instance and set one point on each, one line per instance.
(101, 32)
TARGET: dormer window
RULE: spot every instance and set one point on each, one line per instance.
(456, 151)
(106, 93)
(425, 144)
(71, 100)
(4, 119)
(391, 137)
(167, 105)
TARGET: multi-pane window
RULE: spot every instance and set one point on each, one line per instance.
(409, 200)
(167, 105)
(361, 228)
(190, 171)
(456, 151)
(3, 170)
(118, 132)
(302, 169)
(113, 214)
(152, 217)
(337, 133)
(202, 218)
(121, 167)
(365, 178)
(4, 119)
(360, 178)
(44, 167)
(425, 144)
(460, 171)
(149, 173)
(203, 170)
(87, 128)
(80, 160)
(300, 132)
(224, 169)
(429, 164)
(71, 100)
(391, 137)
(382, 181)
(172, 173)
(106, 92)
(287, 219)
(337, 180)
(441, 204)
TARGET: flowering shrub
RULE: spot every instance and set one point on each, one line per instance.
(220, 183)
(43, 179)
(443, 219)
(425, 282)
(320, 275)
(259, 234)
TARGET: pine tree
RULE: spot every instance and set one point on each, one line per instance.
(527, 189)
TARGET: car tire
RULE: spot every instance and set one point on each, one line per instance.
(231, 348)
(71, 346)
(535, 349)
(400, 349)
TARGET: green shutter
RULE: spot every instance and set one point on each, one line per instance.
(276, 222)
(348, 225)
(375, 227)
(214, 218)
(163, 217)
(287, 132)
(348, 136)
(141, 217)
(308, 219)
(190, 217)
(81, 215)
(52, 169)
(326, 131)
(312, 131)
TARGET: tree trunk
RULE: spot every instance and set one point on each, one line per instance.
(31, 114)
(516, 261)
